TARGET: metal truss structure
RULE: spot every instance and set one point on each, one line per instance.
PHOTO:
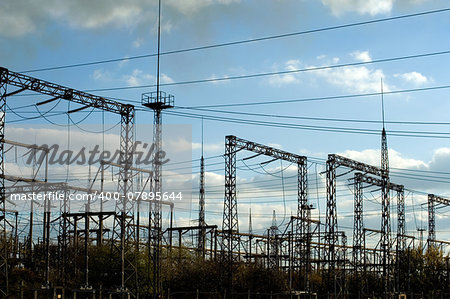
(331, 236)
(157, 101)
(433, 201)
(385, 215)
(300, 249)
(201, 213)
(230, 229)
(3, 238)
(359, 258)
(122, 233)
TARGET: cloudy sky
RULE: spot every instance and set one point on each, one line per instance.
(266, 78)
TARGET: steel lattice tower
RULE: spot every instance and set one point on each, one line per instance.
(273, 246)
(157, 101)
(331, 227)
(385, 203)
(358, 226)
(433, 200)
(201, 202)
(123, 229)
(3, 237)
(230, 241)
(303, 225)
(201, 214)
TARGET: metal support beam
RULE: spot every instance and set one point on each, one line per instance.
(358, 226)
(230, 227)
(385, 240)
(331, 227)
(123, 232)
(230, 217)
(3, 237)
(303, 225)
(201, 214)
(433, 200)
(157, 101)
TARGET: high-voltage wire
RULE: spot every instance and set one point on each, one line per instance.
(233, 43)
(313, 118)
(265, 74)
(418, 134)
(285, 101)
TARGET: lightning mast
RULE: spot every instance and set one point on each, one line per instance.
(385, 213)
(201, 216)
(157, 101)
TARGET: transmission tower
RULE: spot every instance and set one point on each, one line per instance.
(157, 101)
(385, 214)
(201, 215)
(434, 200)
(273, 246)
(3, 238)
(358, 226)
(250, 225)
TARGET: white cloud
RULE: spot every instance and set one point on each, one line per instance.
(101, 75)
(440, 161)
(373, 157)
(214, 77)
(139, 77)
(15, 24)
(363, 56)
(138, 42)
(413, 77)
(292, 65)
(290, 78)
(166, 79)
(21, 17)
(189, 7)
(208, 147)
(354, 79)
(281, 80)
(371, 7)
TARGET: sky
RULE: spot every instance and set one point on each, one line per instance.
(268, 81)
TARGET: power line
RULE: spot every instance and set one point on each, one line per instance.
(257, 75)
(234, 43)
(318, 98)
(206, 107)
(313, 118)
(419, 134)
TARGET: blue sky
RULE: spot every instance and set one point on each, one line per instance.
(49, 33)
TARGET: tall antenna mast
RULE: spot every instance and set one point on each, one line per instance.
(202, 137)
(250, 226)
(385, 202)
(201, 202)
(159, 49)
(382, 101)
(157, 101)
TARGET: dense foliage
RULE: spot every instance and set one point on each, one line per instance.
(184, 272)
